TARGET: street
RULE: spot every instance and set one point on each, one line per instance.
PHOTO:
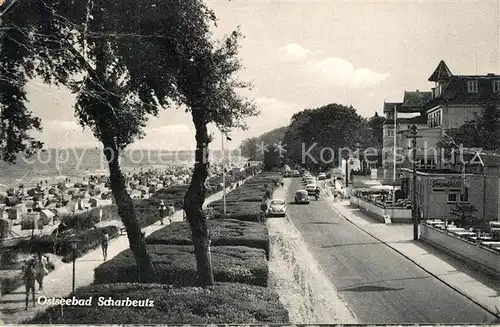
(379, 285)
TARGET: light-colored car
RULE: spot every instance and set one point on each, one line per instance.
(276, 207)
(321, 176)
(301, 196)
(311, 189)
(295, 173)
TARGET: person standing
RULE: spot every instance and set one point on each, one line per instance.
(41, 270)
(163, 211)
(171, 211)
(104, 245)
(29, 275)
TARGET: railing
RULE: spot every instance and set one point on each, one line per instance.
(486, 240)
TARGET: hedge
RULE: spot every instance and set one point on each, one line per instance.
(176, 264)
(13, 279)
(228, 232)
(221, 303)
(245, 211)
(89, 239)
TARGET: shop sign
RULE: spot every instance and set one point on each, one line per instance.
(446, 183)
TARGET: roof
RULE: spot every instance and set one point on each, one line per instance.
(414, 101)
(389, 106)
(455, 91)
(422, 119)
(442, 72)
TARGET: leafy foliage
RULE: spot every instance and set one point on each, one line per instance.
(272, 158)
(15, 119)
(465, 214)
(250, 146)
(332, 126)
(376, 126)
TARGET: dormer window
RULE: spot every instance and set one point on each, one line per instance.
(496, 86)
(472, 87)
(437, 91)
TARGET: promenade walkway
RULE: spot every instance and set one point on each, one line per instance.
(59, 282)
(477, 286)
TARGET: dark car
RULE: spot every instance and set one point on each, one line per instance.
(301, 196)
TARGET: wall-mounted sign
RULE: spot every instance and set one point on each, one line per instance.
(446, 183)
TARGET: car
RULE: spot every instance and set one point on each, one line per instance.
(311, 189)
(295, 173)
(301, 196)
(276, 207)
(309, 181)
(321, 176)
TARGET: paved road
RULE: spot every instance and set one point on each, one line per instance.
(379, 285)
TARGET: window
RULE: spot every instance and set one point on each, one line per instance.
(390, 132)
(434, 119)
(457, 196)
(496, 86)
(426, 164)
(472, 87)
(452, 197)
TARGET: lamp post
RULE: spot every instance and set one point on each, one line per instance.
(224, 136)
(74, 246)
(413, 136)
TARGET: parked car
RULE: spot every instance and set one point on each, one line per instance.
(311, 189)
(302, 196)
(276, 207)
(321, 176)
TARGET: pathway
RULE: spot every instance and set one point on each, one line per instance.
(59, 282)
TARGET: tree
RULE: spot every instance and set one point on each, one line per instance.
(97, 41)
(15, 119)
(465, 214)
(250, 146)
(376, 125)
(205, 82)
(272, 158)
(315, 136)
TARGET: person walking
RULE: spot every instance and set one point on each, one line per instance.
(171, 212)
(29, 276)
(104, 245)
(163, 211)
(41, 269)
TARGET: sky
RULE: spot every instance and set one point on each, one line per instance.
(305, 54)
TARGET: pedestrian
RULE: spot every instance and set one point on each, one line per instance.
(40, 269)
(163, 211)
(29, 275)
(171, 211)
(104, 245)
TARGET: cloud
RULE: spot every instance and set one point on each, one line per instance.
(343, 73)
(294, 52)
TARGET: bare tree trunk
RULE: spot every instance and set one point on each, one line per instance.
(193, 202)
(145, 269)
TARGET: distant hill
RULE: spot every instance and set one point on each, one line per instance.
(251, 148)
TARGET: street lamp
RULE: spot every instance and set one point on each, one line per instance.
(74, 246)
(413, 136)
(224, 136)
